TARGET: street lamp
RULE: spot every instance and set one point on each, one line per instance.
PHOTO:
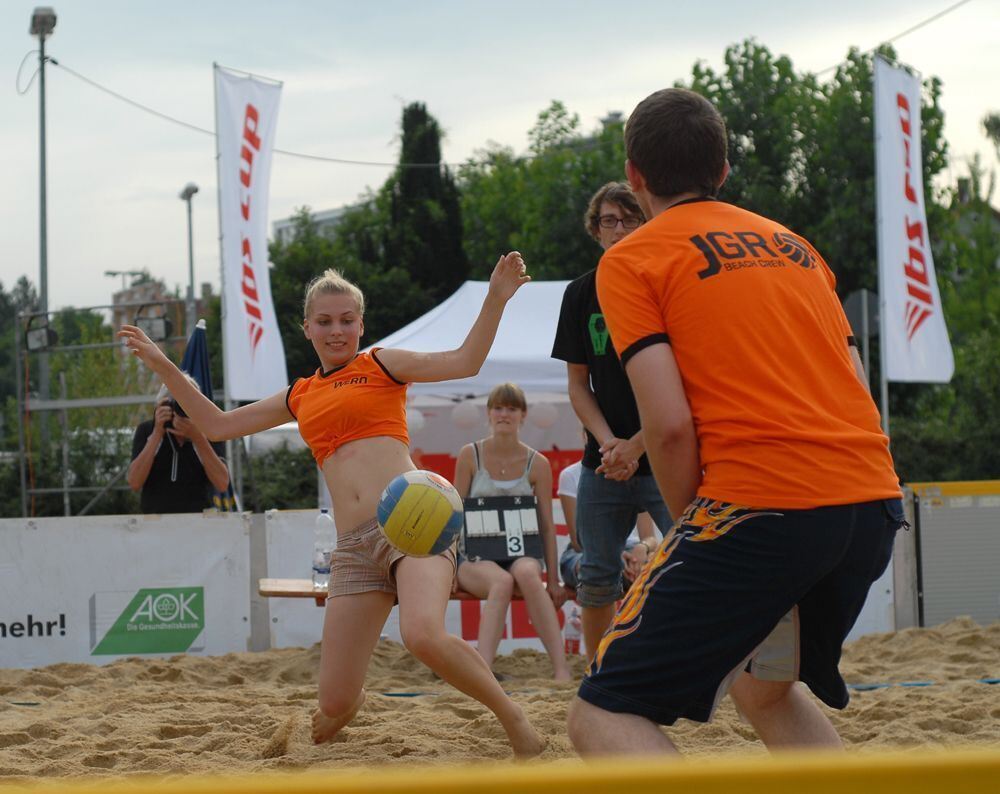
(43, 22)
(189, 190)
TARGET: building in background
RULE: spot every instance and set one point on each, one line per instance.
(326, 221)
(151, 297)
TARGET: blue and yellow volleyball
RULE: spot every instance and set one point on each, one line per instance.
(420, 513)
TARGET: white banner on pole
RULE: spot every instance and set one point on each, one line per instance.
(245, 123)
(914, 335)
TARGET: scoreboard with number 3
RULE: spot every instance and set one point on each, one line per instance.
(501, 528)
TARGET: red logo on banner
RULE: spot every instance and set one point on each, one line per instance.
(248, 281)
(920, 303)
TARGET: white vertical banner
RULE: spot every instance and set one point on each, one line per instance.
(915, 343)
(246, 117)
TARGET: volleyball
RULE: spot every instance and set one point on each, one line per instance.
(420, 513)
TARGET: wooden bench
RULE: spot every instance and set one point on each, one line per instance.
(303, 588)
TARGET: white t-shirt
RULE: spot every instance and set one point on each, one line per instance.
(569, 480)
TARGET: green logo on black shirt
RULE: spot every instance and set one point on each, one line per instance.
(598, 334)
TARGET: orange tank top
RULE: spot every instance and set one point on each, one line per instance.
(358, 400)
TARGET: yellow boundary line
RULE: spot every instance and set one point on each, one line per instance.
(961, 488)
(961, 771)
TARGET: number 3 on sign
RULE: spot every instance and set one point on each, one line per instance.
(515, 533)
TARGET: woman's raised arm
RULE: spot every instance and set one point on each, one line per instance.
(464, 362)
(216, 424)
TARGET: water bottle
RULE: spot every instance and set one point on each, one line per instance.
(571, 631)
(324, 541)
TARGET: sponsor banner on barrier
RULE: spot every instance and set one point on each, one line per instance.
(97, 588)
(153, 620)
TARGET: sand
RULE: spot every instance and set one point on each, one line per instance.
(249, 712)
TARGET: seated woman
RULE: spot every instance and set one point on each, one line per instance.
(501, 465)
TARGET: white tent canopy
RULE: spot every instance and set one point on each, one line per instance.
(522, 350)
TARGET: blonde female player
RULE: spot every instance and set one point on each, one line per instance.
(352, 414)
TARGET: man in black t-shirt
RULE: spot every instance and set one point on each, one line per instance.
(616, 483)
(173, 462)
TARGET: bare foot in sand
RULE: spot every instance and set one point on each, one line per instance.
(562, 675)
(524, 739)
(325, 728)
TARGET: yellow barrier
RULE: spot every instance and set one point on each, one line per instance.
(930, 772)
(958, 488)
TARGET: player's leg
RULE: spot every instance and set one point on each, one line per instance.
(527, 573)
(351, 627)
(605, 515)
(782, 712)
(713, 592)
(595, 732)
(495, 586)
(424, 586)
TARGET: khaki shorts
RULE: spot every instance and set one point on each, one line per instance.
(364, 562)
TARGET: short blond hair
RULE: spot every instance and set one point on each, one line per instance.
(332, 283)
(507, 395)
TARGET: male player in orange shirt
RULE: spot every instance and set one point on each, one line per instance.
(763, 438)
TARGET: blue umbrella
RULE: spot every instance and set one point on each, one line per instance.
(195, 363)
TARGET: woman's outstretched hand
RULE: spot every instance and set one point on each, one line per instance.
(508, 276)
(140, 345)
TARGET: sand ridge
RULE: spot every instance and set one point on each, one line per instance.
(249, 712)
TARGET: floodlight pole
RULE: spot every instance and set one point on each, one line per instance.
(189, 190)
(43, 22)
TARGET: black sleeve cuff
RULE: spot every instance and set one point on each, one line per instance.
(641, 344)
(383, 368)
(852, 341)
(288, 395)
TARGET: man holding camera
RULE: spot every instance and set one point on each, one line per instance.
(173, 463)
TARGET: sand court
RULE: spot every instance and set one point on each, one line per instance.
(249, 712)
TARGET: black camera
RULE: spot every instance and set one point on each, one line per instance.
(176, 408)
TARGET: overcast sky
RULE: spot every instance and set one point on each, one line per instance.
(484, 70)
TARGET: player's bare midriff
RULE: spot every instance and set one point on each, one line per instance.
(357, 473)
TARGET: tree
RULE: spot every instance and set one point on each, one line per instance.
(991, 126)
(803, 152)
(535, 204)
(424, 236)
(766, 106)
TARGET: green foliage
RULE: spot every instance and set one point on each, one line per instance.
(952, 432)
(424, 234)
(803, 152)
(283, 479)
(96, 442)
(401, 246)
(991, 126)
(535, 205)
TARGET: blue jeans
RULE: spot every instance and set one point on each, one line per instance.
(606, 511)
(569, 567)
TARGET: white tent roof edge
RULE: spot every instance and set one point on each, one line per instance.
(520, 354)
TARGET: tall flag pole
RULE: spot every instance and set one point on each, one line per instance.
(913, 335)
(246, 115)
